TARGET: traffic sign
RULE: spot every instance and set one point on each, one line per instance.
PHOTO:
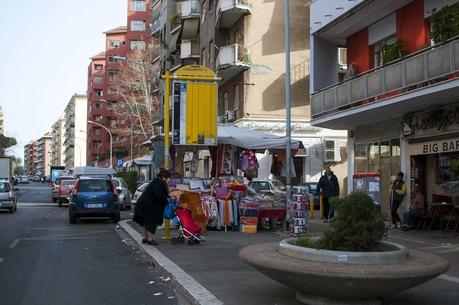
(119, 163)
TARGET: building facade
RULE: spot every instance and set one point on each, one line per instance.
(103, 96)
(243, 42)
(75, 135)
(43, 155)
(399, 96)
(57, 142)
(2, 130)
(30, 156)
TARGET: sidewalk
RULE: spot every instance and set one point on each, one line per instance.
(221, 277)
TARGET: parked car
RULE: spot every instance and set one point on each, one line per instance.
(8, 199)
(24, 180)
(65, 191)
(94, 197)
(138, 192)
(57, 184)
(308, 188)
(125, 195)
(268, 186)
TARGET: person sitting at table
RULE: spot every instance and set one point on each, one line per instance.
(415, 209)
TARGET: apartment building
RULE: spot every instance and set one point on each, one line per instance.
(103, 95)
(30, 156)
(2, 130)
(398, 98)
(43, 155)
(57, 142)
(243, 42)
(75, 134)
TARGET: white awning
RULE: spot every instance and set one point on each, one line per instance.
(145, 160)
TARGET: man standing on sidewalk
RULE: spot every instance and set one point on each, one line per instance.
(329, 187)
(398, 191)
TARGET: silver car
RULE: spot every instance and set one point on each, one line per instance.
(8, 199)
(124, 193)
(138, 192)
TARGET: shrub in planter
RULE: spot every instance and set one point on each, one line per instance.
(358, 226)
(391, 52)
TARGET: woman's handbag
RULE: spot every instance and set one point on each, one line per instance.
(169, 209)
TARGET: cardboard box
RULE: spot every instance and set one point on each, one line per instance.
(246, 220)
(249, 228)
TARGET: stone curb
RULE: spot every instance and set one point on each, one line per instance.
(194, 292)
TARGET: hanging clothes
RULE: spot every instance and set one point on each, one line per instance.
(227, 160)
(248, 163)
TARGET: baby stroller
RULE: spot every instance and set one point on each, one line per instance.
(188, 229)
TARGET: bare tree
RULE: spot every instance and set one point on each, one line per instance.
(135, 83)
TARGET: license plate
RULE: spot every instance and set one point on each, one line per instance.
(95, 205)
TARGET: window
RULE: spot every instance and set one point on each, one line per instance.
(113, 122)
(211, 5)
(97, 131)
(98, 67)
(113, 90)
(360, 158)
(138, 25)
(98, 105)
(138, 6)
(236, 95)
(99, 92)
(137, 44)
(116, 58)
(97, 118)
(114, 43)
(112, 74)
(98, 80)
(225, 101)
(378, 50)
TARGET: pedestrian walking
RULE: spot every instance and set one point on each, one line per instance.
(149, 208)
(329, 187)
(398, 191)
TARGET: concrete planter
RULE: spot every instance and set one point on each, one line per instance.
(328, 277)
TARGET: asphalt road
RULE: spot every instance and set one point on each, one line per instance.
(45, 260)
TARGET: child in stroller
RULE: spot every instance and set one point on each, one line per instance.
(188, 229)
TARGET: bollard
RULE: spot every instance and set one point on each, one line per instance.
(311, 206)
(321, 202)
(167, 229)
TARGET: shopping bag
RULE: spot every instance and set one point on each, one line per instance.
(169, 209)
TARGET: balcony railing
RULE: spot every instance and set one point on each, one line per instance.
(234, 54)
(229, 11)
(191, 9)
(175, 61)
(189, 49)
(425, 68)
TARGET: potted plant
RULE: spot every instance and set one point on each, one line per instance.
(391, 52)
(445, 23)
(350, 259)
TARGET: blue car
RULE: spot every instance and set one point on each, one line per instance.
(94, 197)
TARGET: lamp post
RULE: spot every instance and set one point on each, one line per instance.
(288, 131)
(111, 139)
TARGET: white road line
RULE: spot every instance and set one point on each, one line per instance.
(449, 278)
(14, 243)
(1, 260)
(34, 204)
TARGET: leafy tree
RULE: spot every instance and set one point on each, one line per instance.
(5, 143)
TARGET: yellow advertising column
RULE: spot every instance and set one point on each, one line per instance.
(193, 92)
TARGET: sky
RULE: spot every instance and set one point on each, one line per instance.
(44, 57)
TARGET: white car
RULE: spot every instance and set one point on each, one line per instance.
(137, 193)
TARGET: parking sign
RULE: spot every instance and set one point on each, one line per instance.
(119, 163)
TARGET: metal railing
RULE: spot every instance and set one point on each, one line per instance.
(190, 8)
(232, 55)
(424, 68)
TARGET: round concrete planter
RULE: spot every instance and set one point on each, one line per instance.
(327, 277)
(397, 254)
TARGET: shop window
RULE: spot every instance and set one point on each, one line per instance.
(394, 157)
(373, 157)
(360, 158)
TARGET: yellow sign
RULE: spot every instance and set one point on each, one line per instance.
(194, 108)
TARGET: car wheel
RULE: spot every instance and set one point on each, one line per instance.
(72, 219)
(116, 217)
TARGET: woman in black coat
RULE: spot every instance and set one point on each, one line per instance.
(149, 208)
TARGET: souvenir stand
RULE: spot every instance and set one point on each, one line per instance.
(225, 203)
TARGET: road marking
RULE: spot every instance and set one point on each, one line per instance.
(14, 243)
(1, 260)
(449, 278)
(75, 235)
(34, 204)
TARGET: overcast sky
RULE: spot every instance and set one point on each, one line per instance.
(44, 56)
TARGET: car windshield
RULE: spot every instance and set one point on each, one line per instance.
(143, 187)
(94, 186)
(260, 186)
(278, 185)
(68, 183)
(4, 187)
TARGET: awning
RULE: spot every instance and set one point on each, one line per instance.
(251, 139)
(145, 160)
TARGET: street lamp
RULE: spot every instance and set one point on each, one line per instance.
(288, 130)
(111, 139)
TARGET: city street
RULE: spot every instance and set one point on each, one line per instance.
(45, 260)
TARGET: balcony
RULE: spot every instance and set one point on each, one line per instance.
(190, 9)
(156, 19)
(230, 11)
(175, 23)
(232, 60)
(155, 54)
(430, 76)
(175, 62)
(189, 49)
